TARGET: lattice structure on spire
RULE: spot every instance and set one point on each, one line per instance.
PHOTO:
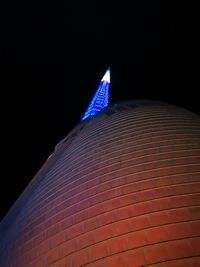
(101, 97)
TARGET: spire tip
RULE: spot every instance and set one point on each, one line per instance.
(106, 77)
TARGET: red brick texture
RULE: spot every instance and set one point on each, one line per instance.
(120, 191)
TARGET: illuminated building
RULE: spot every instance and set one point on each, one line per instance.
(122, 189)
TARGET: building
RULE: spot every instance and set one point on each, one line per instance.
(122, 189)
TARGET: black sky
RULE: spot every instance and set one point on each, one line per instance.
(53, 55)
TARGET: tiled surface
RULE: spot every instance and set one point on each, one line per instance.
(125, 191)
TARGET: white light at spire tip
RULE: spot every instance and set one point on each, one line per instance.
(106, 77)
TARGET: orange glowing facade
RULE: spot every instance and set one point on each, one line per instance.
(121, 190)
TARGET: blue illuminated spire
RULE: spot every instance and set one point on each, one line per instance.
(100, 99)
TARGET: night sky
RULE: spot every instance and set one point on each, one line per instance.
(53, 55)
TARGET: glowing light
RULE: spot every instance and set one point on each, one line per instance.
(106, 77)
(100, 99)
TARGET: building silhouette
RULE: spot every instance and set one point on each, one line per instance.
(122, 189)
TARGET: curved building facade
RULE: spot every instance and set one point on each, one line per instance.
(121, 190)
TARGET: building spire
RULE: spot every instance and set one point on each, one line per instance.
(100, 99)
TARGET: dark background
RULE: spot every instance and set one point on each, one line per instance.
(53, 55)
